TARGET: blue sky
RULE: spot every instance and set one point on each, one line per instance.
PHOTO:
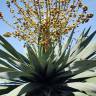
(18, 45)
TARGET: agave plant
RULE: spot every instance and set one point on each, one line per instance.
(62, 70)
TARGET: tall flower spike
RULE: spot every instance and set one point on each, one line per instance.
(47, 20)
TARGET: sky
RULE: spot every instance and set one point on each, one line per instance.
(18, 45)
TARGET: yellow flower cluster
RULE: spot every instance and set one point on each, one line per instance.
(45, 21)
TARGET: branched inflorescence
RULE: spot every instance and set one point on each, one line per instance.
(45, 21)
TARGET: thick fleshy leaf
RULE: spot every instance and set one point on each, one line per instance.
(67, 43)
(6, 89)
(13, 52)
(82, 42)
(17, 90)
(87, 87)
(79, 94)
(5, 69)
(87, 40)
(4, 55)
(3, 87)
(34, 61)
(64, 60)
(87, 32)
(89, 50)
(8, 58)
(85, 74)
(13, 75)
(92, 80)
(64, 52)
(3, 63)
(8, 47)
(82, 65)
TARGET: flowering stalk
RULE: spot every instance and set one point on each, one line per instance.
(45, 21)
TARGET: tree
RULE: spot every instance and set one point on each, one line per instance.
(50, 68)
